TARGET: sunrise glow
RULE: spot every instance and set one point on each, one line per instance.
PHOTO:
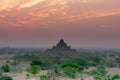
(82, 21)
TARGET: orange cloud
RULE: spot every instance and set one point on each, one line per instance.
(93, 14)
(32, 12)
(31, 3)
(39, 14)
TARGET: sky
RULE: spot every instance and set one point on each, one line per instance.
(42, 23)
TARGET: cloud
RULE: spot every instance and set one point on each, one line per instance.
(31, 3)
(93, 14)
(45, 12)
(9, 4)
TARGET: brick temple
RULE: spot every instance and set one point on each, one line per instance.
(61, 47)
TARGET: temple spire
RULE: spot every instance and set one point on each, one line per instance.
(62, 47)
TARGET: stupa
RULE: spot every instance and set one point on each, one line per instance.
(61, 47)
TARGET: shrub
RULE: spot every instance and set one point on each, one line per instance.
(70, 71)
(5, 78)
(100, 70)
(34, 69)
(56, 69)
(16, 70)
(111, 64)
(70, 65)
(5, 68)
(27, 75)
(36, 62)
(116, 77)
(44, 77)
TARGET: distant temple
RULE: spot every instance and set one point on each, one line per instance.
(61, 47)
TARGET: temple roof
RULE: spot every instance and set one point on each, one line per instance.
(61, 43)
(61, 47)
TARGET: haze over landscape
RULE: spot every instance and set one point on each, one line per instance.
(41, 23)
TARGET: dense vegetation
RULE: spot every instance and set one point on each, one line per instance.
(70, 65)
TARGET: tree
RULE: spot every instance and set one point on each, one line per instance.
(99, 73)
(44, 77)
(36, 62)
(97, 60)
(116, 77)
(5, 78)
(6, 68)
(34, 69)
(70, 71)
(78, 61)
(117, 60)
(70, 65)
(56, 70)
(27, 75)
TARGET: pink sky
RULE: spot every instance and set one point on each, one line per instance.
(41, 23)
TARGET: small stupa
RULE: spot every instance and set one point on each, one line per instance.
(61, 47)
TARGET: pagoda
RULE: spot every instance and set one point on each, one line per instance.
(61, 47)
